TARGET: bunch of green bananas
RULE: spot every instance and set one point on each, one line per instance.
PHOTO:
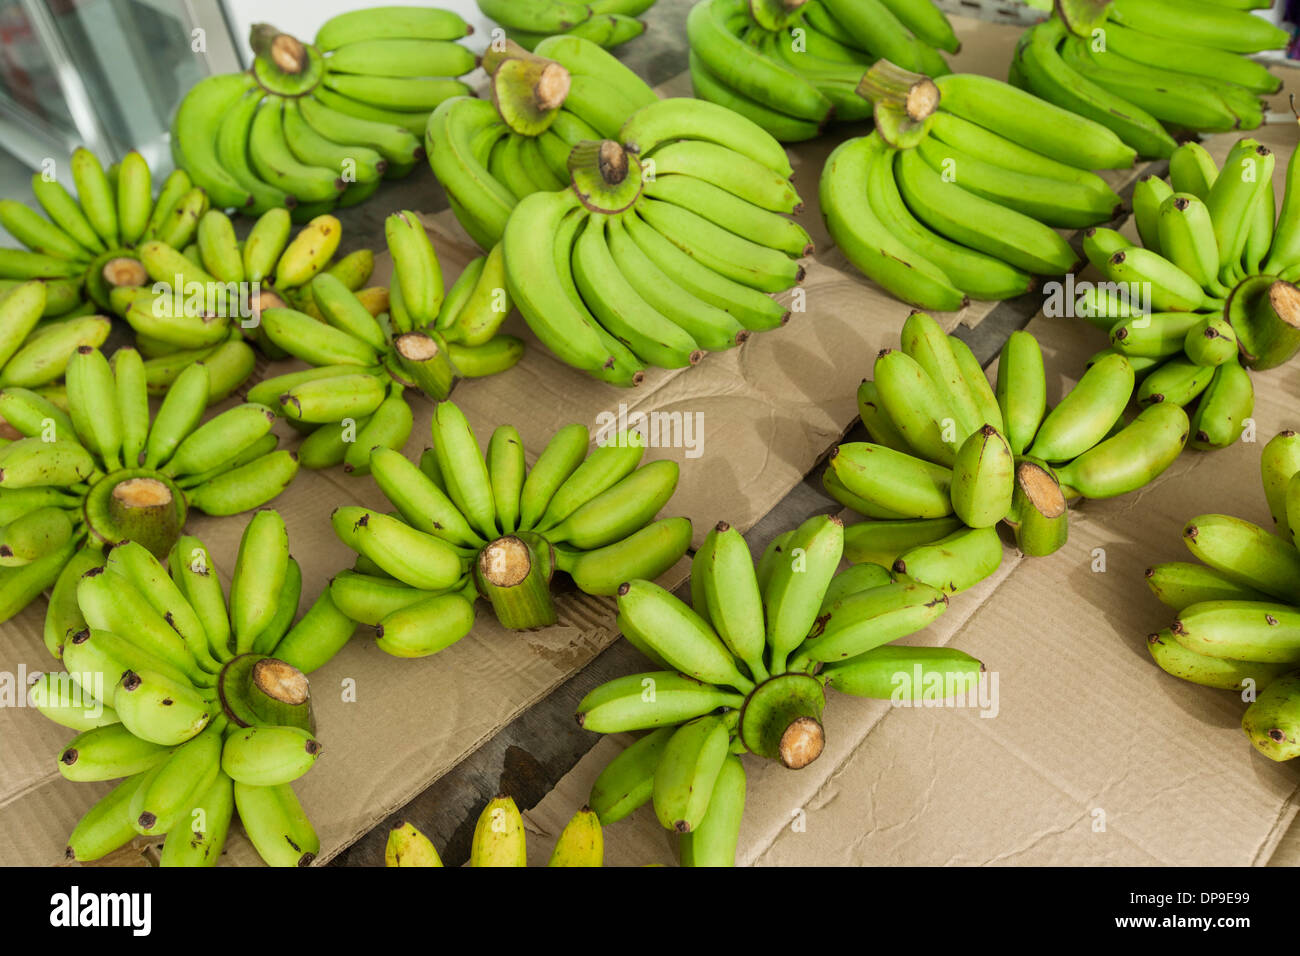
(500, 840)
(957, 193)
(604, 22)
(744, 670)
(1144, 68)
(221, 723)
(466, 527)
(73, 259)
(793, 66)
(1209, 289)
(315, 127)
(950, 457)
(488, 155)
(214, 290)
(101, 472)
(353, 398)
(1238, 625)
(667, 244)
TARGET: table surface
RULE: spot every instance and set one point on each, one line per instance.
(530, 755)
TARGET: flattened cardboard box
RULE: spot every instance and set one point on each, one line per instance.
(1092, 754)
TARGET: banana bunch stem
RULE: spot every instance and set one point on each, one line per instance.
(516, 582)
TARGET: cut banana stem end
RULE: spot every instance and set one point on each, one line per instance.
(124, 271)
(258, 690)
(424, 359)
(604, 176)
(781, 719)
(527, 90)
(511, 575)
(1039, 513)
(143, 509)
(285, 51)
(1265, 315)
(915, 93)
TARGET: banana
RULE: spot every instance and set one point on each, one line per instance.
(453, 129)
(170, 789)
(908, 486)
(407, 846)
(200, 833)
(730, 255)
(737, 216)
(194, 134)
(218, 439)
(1148, 195)
(1176, 382)
(96, 196)
(1220, 672)
(729, 590)
(867, 619)
(1157, 335)
(646, 554)
(92, 404)
(387, 428)
(1186, 238)
(1192, 170)
(983, 479)
(423, 504)
(315, 343)
(274, 161)
(1270, 722)
(903, 673)
(260, 571)
(194, 573)
(66, 213)
(134, 562)
(1021, 390)
(751, 308)
(309, 252)
(562, 456)
(678, 634)
(276, 825)
(1259, 631)
(33, 535)
(105, 753)
(111, 602)
(645, 701)
(269, 756)
(317, 637)
(1225, 406)
(31, 462)
(975, 274)
(499, 836)
(1247, 170)
(880, 427)
(780, 126)
(687, 772)
(916, 405)
(1246, 553)
(792, 595)
(1133, 457)
(380, 23)
(654, 338)
(333, 399)
(415, 267)
(1279, 461)
(627, 782)
(1088, 413)
(741, 176)
(1050, 201)
(160, 710)
(617, 512)
(60, 699)
(1180, 584)
(869, 543)
(368, 599)
(463, 468)
(537, 288)
(106, 825)
(20, 311)
(38, 234)
(426, 627)
(581, 842)
(974, 221)
(1132, 131)
(1207, 24)
(954, 563)
(411, 556)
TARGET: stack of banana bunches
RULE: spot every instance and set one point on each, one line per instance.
(312, 127)
(950, 457)
(793, 66)
(1153, 70)
(960, 190)
(1238, 624)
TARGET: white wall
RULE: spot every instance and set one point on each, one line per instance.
(303, 17)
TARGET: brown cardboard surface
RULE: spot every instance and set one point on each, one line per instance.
(1095, 756)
